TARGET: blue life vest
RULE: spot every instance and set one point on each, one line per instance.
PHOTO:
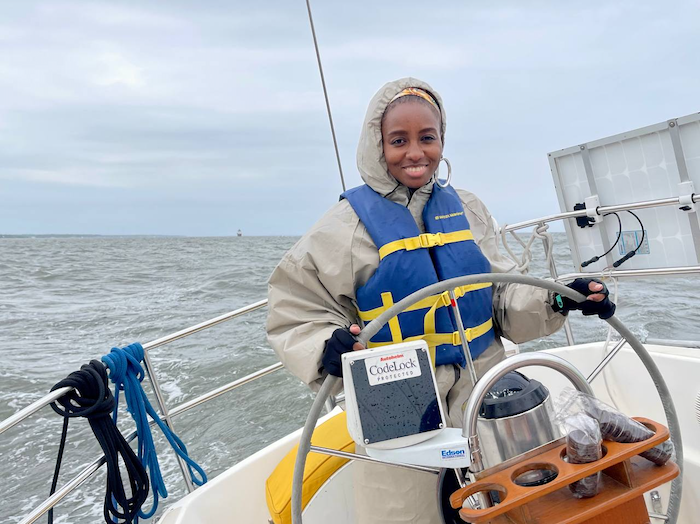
(409, 261)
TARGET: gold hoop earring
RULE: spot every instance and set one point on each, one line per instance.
(449, 173)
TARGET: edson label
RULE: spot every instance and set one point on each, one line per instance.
(448, 454)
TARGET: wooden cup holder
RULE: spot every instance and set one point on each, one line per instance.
(534, 474)
(544, 497)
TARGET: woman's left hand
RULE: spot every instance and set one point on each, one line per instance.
(596, 303)
(594, 286)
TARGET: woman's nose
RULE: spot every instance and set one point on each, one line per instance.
(414, 152)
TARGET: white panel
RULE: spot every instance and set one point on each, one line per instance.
(633, 167)
(334, 501)
(690, 138)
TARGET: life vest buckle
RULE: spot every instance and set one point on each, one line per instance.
(427, 240)
(445, 298)
(457, 339)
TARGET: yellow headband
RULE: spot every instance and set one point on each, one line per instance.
(417, 91)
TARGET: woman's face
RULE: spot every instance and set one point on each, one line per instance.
(411, 140)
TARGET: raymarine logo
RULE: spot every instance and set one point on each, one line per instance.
(453, 453)
(389, 368)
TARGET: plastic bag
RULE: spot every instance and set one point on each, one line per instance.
(614, 426)
(583, 445)
(660, 454)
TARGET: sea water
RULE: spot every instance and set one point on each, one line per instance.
(67, 300)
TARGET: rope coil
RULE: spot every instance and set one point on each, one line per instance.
(127, 374)
(540, 231)
(93, 400)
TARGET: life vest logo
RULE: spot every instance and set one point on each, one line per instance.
(443, 217)
(451, 454)
(393, 367)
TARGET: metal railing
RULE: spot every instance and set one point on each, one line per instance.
(166, 414)
(617, 273)
(635, 273)
(600, 210)
(51, 397)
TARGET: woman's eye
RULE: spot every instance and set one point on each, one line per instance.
(397, 141)
(428, 138)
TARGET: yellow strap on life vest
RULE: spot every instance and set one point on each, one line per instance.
(440, 300)
(394, 327)
(424, 240)
(443, 300)
(454, 338)
(436, 339)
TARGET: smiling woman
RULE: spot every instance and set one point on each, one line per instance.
(399, 232)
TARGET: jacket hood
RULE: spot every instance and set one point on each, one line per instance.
(370, 153)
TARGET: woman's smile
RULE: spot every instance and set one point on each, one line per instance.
(416, 171)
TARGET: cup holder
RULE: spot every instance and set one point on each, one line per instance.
(535, 474)
(496, 492)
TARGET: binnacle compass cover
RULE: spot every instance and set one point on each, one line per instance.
(391, 395)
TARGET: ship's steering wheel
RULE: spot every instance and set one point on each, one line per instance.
(373, 327)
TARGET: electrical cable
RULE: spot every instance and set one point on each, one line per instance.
(641, 226)
(619, 235)
(629, 255)
(92, 398)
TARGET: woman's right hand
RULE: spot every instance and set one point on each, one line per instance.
(342, 341)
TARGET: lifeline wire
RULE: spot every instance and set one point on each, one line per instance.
(127, 374)
(91, 398)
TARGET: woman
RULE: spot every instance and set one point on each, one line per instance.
(400, 232)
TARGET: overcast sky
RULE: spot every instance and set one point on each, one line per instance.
(200, 118)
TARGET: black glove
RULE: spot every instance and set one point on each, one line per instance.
(340, 342)
(604, 309)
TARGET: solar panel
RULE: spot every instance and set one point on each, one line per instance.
(654, 162)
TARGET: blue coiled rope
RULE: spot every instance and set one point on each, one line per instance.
(127, 374)
(93, 400)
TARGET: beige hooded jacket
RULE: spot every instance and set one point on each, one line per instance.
(312, 290)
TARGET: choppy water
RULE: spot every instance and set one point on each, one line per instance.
(65, 301)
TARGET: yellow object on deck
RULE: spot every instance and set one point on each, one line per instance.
(278, 489)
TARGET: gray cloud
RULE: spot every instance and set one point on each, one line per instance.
(200, 118)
